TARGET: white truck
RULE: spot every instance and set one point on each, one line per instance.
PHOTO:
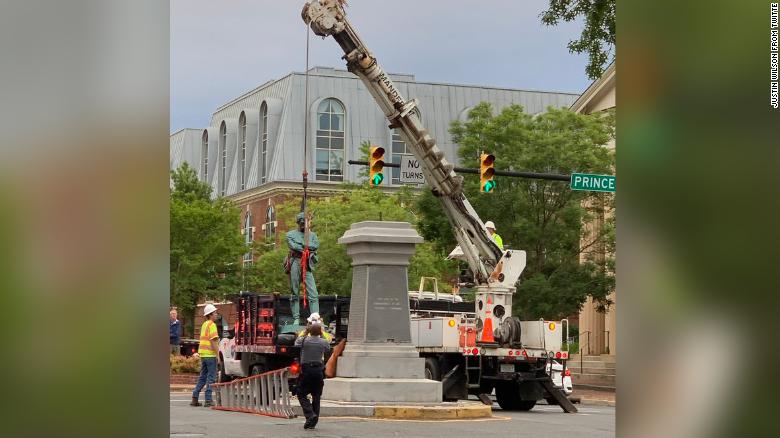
(470, 351)
(443, 329)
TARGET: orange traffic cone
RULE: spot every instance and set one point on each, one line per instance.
(487, 331)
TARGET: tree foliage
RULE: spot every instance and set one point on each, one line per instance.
(544, 218)
(205, 242)
(332, 217)
(365, 153)
(598, 36)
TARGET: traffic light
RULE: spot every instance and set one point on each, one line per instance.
(375, 165)
(486, 171)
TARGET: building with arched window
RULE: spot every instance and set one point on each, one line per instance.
(252, 150)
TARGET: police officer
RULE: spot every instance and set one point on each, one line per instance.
(312, 378)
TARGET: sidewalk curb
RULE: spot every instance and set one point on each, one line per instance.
(181, 388)
(433, 412)
(452, 411)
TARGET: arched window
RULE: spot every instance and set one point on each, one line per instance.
(222, 158)
(248, 237)
(330, 141)
(270, 222)
(242, 155)
(264, 140)
(205, 154)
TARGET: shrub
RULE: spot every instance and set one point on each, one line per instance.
(182, 364)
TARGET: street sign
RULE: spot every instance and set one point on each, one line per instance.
(410, 171)
(595, 183)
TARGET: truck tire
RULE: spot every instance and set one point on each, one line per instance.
(256, 369)
(526, 405)
(509, 398)
(221, 376)
(432, 370)
(508, 395)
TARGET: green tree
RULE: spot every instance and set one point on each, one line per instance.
(331, 218)
(365, 153)
(544, 218)
(598, 36)
(205, 243)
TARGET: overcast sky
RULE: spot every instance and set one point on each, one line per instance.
(223, 48)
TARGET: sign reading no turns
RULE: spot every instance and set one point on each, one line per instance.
(410, 171)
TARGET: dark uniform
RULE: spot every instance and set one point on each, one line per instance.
(312, 379)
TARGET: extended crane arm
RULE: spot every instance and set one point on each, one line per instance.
(487, 262)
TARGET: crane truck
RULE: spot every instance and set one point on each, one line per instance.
(443, 331)
(472, 347)
(489, 360)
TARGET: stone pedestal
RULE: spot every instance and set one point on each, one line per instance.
(379, 363)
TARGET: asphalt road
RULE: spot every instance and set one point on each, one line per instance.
(542, 421)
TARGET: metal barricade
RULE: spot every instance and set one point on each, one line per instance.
(265, 394)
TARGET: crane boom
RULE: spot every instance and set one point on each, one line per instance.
(489, 265)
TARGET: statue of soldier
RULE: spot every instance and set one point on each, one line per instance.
(295, 240)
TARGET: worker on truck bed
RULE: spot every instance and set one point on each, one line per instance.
(207, 350)
(491, 227)
(311, 381)
(294, 268)
(315, 318)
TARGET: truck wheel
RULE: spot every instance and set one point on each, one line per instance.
(432, 370)
(508, 396)
(526, 405)
(221, 376)
(256, 369)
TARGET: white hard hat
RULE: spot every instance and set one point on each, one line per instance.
(490, 224)
(314, 317)
(209, 309)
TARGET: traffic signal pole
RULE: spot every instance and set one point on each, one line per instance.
(531, 175)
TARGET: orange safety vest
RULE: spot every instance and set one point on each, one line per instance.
(208, 331)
